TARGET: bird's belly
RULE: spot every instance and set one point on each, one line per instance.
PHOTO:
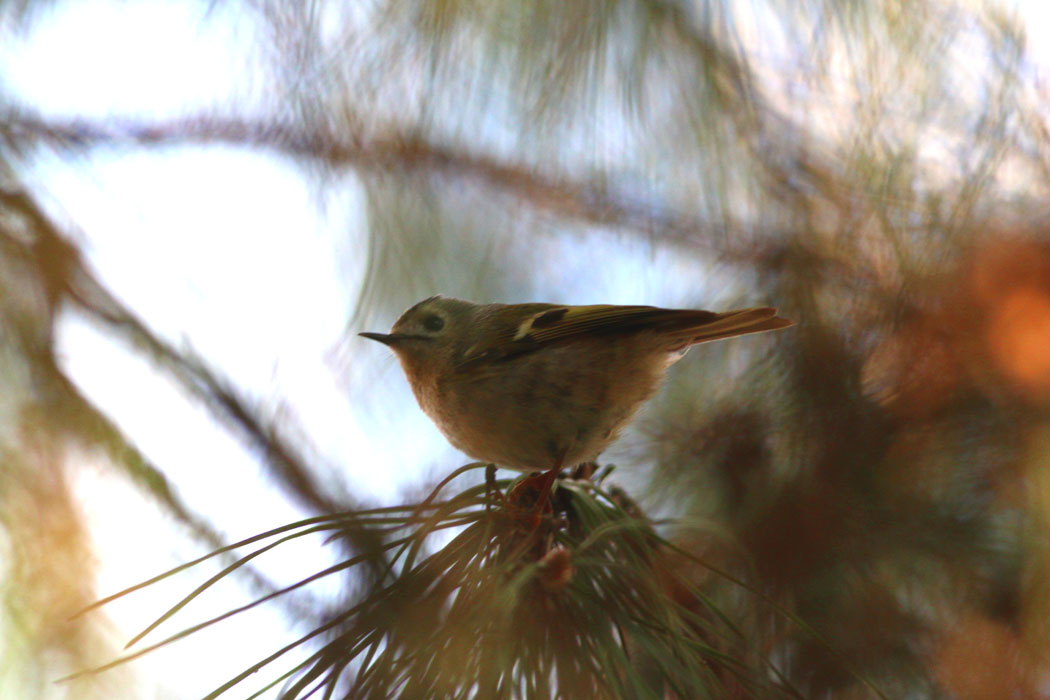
(536, 415)
(528, 439)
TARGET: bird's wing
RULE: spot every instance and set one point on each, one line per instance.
(563, 323)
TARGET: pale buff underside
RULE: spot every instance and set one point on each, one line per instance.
(528, 413)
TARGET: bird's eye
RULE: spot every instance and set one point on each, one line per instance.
(433, 323)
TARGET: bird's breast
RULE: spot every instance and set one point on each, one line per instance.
(562, 403)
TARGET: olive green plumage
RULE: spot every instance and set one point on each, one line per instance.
(537, 386)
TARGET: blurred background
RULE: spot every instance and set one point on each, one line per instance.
(201, 204)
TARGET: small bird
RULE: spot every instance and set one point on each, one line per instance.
(541, 386)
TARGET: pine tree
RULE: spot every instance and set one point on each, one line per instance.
(854, 509)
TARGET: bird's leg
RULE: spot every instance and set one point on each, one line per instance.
(544, 483)
(490, 485)
(532, 495)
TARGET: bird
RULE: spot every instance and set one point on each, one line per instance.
(537, 386)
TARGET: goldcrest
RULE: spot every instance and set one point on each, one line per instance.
(542, 386)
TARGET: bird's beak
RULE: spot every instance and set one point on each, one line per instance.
(392, 339)
(384, 338)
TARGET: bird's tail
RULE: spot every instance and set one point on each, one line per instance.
(732, 323)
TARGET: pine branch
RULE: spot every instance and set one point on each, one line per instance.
(404, 153)
(582, 606)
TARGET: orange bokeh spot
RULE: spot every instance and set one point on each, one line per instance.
(1019, 338)
(984, 660)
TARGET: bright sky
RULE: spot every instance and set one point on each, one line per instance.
(274, 326)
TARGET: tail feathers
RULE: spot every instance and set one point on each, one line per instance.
(733, 323)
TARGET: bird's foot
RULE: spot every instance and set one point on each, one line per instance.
(530, 499)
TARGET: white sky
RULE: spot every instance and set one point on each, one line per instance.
(272, 326)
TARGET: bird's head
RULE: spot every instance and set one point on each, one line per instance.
(429, 337)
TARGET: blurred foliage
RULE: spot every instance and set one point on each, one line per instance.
(592, 602)
(859, 503)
